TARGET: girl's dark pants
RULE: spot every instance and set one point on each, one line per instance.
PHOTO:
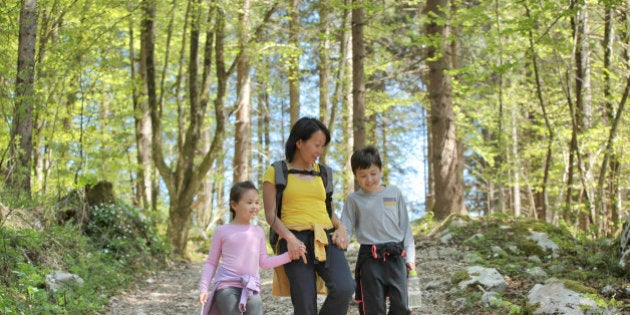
(302, 278)
(381, 278)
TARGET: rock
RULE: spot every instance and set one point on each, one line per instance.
(544, 242)
(536, 272)
(490, 298)
(498, 251)
(59, 279)
(555, 298)
(608, 291)
(535, 259)
(445, 239)
(489, 278)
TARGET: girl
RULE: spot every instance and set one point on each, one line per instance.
(241, 247)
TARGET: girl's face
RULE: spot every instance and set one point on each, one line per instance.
(247, 207)
(369, 179)
(309, 150)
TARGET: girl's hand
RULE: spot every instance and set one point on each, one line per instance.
(296, 249)
(340, 237)
(203, 297)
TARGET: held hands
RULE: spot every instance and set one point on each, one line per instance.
(340, 237)
(296, 249)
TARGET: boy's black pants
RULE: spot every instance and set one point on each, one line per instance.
(379, 278)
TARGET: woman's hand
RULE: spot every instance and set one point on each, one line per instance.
(296, 248)
(340, 237)
(203, 297)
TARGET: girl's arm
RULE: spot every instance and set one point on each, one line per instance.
(267, 262)
(210, 267)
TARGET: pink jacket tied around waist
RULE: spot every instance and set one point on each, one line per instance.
(250, 285)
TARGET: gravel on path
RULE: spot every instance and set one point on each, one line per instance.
(174, 291)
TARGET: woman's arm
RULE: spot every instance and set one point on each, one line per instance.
(294, 245)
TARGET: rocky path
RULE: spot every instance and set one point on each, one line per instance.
(175, 291)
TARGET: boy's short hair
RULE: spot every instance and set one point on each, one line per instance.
(364, 158)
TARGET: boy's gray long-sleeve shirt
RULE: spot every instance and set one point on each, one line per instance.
(379, 217)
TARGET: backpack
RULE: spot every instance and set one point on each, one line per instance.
(281, 174)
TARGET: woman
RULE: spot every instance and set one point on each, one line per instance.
(305, 223)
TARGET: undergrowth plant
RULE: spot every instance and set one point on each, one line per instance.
(115, 246)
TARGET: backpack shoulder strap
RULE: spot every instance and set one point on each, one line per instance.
(281, 173)
(326, 173)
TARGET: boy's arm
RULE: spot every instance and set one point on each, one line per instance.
(347, 218)
(408, 241)
(340, 235)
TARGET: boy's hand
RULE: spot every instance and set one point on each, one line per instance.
(340, 237)
(411, 266)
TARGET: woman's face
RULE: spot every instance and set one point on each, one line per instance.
(309, 150)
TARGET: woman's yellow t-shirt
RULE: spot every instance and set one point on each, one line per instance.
(303, 201)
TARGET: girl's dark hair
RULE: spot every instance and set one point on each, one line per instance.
(236, 193)
(364, 158)
(303, 129)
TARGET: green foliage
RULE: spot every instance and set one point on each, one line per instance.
(121, 232)
(115, 247)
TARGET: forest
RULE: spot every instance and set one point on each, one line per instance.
(510, 107)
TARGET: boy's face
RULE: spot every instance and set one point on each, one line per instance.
(369, 178)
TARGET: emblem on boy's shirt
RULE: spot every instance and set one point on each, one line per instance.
(389, 201)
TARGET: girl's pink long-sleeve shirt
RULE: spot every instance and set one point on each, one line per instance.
(242, 250)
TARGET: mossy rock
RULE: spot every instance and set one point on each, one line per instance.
(459, 276)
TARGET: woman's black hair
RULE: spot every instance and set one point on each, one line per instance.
(236, 193)
(364, 158)
(303, 129)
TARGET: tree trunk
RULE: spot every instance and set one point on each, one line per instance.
(358, 75)
(203, 205)
(294, 61)
(444, 143)
(19, 170)
(184, 181)
(516, 181)
(344, 86)
(324, 73)
(611, 196)
(541, 206)
(581, 113)
(608, 196)
(142, 113)
(242, 135)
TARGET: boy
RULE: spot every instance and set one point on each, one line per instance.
(378, 215)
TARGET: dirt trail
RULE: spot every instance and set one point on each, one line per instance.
(175, 291)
